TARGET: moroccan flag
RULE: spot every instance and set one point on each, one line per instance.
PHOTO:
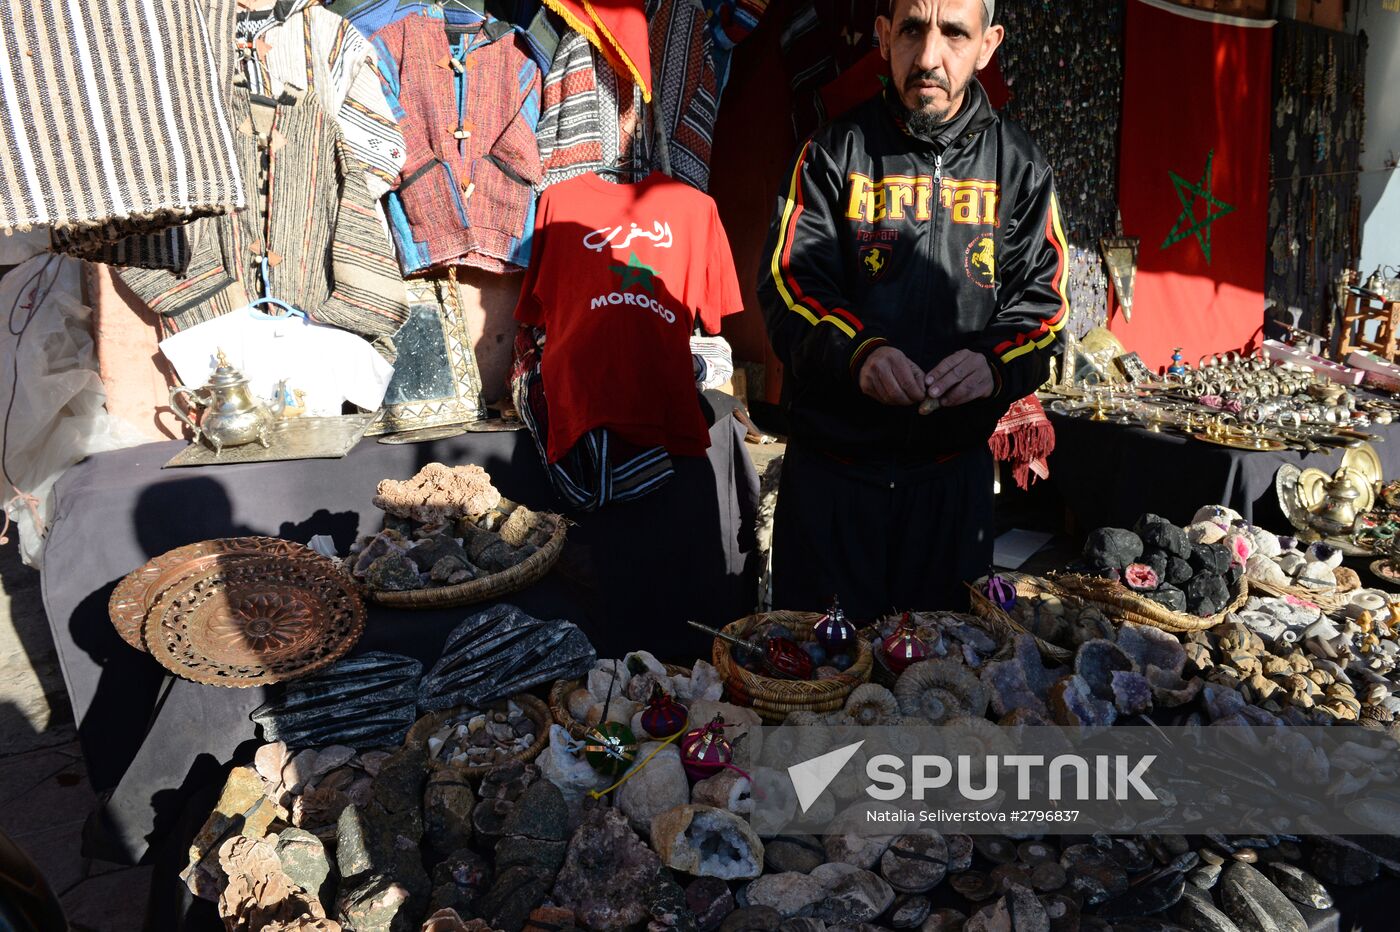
(1193, 179)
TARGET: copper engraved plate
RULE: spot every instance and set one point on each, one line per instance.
(138, 592)
(255, 621)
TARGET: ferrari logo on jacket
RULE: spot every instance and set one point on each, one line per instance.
(900, 197)
(874, 259)
(981, 264)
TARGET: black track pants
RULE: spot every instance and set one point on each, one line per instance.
(881, 537)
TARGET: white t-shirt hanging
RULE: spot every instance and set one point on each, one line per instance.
(323, 366)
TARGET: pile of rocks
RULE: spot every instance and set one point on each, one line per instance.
(622, 688)
(1184, 572)
(481, 739)
(445, 526)
(1064, 622)
(1277, 659)
(417, 848)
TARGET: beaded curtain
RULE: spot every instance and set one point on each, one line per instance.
(1315, 154)
(1065, 73)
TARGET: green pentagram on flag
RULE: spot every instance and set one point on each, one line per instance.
(1187, 224)
(635, 273)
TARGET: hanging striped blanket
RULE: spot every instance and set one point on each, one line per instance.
(114, 115)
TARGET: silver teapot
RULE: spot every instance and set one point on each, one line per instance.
(229, 414)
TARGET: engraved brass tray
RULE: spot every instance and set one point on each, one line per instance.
(1386, 570)
(293, 438)
(255, 621)
(1241, 442)
(139, 590)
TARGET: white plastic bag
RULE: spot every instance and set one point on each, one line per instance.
(52, 403)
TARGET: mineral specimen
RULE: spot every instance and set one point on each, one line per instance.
(501, 651)
(1072, 702)
(604, 873)
(870, 704)
(1160, 533)
(258, 895)
(393, 572)
(364, 701)
(707, 842)
(1095, 664)
(915, 863)
(789, 893)
(1256, 905)
(1112, 548)
(655, 788)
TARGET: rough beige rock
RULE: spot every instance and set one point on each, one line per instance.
(242, 809)
(439, 494)
(259, 896)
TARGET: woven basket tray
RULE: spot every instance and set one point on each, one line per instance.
(527, 572)
(1329, 600)
(774, 698)
(559, 702)
(1003, 630)
(1008, 628)
(1120, 603)
(537, 711)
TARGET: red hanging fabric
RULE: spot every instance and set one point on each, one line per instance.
(1193, 180)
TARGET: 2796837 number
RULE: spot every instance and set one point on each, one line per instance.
(1045, 815)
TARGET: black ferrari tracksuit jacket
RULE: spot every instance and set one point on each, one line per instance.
(929, 245)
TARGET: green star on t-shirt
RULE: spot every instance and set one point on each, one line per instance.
(635, 273)
(1187, 224)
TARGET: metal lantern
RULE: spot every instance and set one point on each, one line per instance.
(610, 748)
(833, 632)
(705, 751)
(663, 716)
(904, 647)
(1001, 592)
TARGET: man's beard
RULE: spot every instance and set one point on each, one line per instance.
(923, 121)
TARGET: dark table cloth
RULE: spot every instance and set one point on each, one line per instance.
(630, 576)
(1110, 474)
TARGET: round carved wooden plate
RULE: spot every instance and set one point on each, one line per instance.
(139, 590)
(255, 621)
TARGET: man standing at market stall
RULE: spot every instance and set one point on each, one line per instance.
(913, 283)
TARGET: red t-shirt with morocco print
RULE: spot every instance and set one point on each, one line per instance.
(618, 275)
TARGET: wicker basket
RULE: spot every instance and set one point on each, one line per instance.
(1120, 603)
(774, 698)
(559, 702)
(881, 673)
(537, 711)
(1004, 627)
(528, 571)
(1329, 600)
